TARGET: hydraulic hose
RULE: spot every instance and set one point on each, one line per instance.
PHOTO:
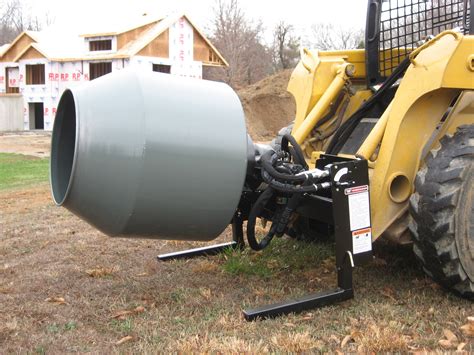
(284, 171)
(257, 208)
(289, 188)
(298, 152)
(346, 129)
(268, 159)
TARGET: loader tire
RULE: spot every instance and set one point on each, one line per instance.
(442, 211)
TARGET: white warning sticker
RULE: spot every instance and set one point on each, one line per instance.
(361, 240)
(359, 207)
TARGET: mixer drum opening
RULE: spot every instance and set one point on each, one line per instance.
(63, 148)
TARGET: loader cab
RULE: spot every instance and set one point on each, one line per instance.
(394, 28)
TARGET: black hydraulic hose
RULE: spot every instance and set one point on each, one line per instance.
(298, 152)
(257, 208)
(287, 212)
(336, 123)
(268, 160)
(346, 129)
(332, 111)
(289, 188)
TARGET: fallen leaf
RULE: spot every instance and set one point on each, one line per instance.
(100, 272)
(461, 346)
(355, 334)
(468, 329)
(56, 300)
(344, 341)
(139, 309)
(205, 292)
(122, 314)
(124, 340)
(126, 312)
(389, 293)
(451, 340)
(450, 335)
(446, 344)
(308, 316)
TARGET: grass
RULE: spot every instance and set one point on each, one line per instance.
(281, 255)
(18, 170)
(195, 305)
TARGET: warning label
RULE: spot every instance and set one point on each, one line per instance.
(361, 240)
(359, 207)
(356, 189)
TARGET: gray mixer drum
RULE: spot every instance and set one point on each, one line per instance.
(145, 154)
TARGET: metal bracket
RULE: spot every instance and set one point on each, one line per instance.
(343, 292)
(237, 242)
(346, 260)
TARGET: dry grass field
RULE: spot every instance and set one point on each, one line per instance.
(65, 287)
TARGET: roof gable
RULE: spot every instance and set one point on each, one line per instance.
(33, 51)
(131, 35)
(214, 49)
(20, 43)
(211, 55)
(158, 47)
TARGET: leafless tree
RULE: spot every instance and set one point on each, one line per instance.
(285, 46)
(326, 36)
(16, 17)
(240, 42)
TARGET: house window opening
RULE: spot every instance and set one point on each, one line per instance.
(98, 69)
(35, 74)
(12, 80)
(101, 45)
(162, 68)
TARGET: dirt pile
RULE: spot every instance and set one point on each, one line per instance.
(268, 106)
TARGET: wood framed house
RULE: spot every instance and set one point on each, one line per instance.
(41, 65)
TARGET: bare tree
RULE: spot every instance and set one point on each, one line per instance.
(285, 46)
(240, 42)
(16, 17)
(326, 36)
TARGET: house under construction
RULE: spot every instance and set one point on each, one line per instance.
(41, 65)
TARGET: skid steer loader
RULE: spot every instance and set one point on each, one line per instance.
(382, 146)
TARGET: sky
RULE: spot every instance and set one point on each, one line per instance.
(300, 13)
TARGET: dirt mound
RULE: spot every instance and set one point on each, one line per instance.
(268, 106)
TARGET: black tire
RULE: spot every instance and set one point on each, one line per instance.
(442, 212)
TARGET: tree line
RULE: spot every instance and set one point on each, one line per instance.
(241, 41)
(16, 16)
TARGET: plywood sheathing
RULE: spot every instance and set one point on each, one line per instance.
(223, 62)
(18, 46)
(30, 53)
(203, 52)
(132, 35)
(159, 47)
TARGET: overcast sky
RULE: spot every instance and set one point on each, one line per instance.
(300, 13)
